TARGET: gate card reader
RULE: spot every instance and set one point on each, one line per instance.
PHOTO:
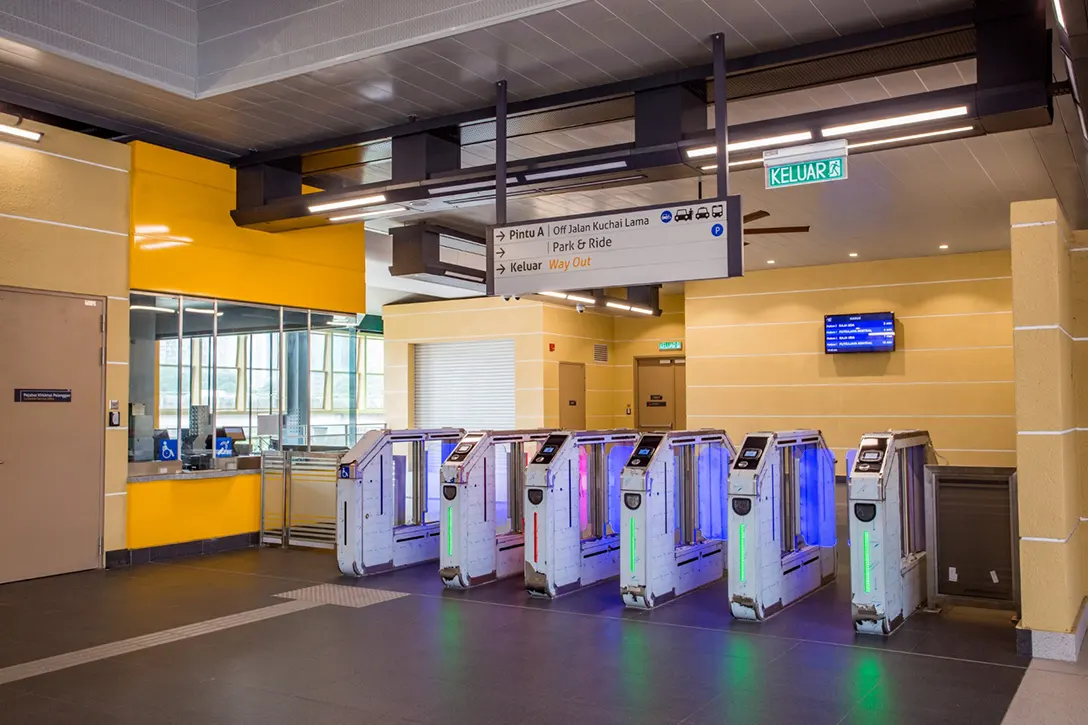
(382, 523)
(572, 510)
(781, 521)
(479, 545)
(886, 508)
(673, 525)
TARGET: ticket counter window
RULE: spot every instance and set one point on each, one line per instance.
(214, 381)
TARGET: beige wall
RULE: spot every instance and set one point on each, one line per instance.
(756, 361)
(64, 227)
(535, 327)
(486, 318)
(1050, 313)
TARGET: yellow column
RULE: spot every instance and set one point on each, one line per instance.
(1052, 557)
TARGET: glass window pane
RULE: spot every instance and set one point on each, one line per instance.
(226, 352)
(341, 391)
(317, 390)
(168, 386)
(226, 388)
(341, 353)
(265, 351)
(317, 350)
(264, 391)
(375, 355)
(375, 392)
(168, 351)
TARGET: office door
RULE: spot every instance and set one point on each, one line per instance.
(52, 434)
(660, 394)
(572, 396)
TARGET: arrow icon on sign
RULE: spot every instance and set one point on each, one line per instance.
(502, 235)
(502, 252)
(502, 269)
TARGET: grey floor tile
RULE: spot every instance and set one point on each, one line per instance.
(1049, 698)
(766, 707)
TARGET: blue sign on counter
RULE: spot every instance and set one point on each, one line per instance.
(223, 448)
(167, 450)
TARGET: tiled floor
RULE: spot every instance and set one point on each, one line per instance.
(489, 655)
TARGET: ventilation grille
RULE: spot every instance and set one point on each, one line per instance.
(600, 353)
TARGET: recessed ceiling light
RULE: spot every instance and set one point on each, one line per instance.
(943, 246)
(583, 299)
(853, 254)
(757, 143)
(907, 120)
(348, 203)
(557, 295)
(617, 306)
(770, 261)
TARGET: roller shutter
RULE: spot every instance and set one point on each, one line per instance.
(466, 385)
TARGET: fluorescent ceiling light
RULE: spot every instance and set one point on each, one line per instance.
(203, 311)
(557, 173)
(1058, 13)
(152, 229)
(770, 261)
(617, 306)
(348, 203)
(150, 308)
(913, 137)
(853, 254)
(20, 132)
(366, 214)
(943, 246)
(732, 164)
(458, 275)
(584, 300)
(557, 295)
(641, 310)
(757, 143)
(850, 128)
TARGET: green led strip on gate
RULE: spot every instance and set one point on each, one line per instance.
(740, 555)
(632, 545)
(449, 531)
(865, 561)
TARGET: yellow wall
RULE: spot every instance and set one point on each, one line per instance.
(186, 242)
(64, 220)
(167, 512)
(1050, 313)
(756, 361)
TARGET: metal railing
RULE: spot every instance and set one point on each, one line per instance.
(298, 498)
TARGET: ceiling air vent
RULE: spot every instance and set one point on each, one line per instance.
(600, 353)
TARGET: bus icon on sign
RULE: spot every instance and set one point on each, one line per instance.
(666, 216)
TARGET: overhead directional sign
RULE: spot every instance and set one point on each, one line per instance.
(649, 245)
(809, 164)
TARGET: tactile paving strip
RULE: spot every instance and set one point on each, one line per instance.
(342, 596)
(113, 649)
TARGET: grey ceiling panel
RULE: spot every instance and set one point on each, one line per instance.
(700, 20)
(549, 51)
(801, 20)
(585, 44)
(658, 27)
(763, 31)
(78, 29)
(620, 35)
(848, 16)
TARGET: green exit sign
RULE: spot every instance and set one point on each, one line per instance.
(806, 172)
(675, 345)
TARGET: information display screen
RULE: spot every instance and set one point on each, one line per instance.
(866, 332)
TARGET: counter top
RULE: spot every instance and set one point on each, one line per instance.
(193, 475)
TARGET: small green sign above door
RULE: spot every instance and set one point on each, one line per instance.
(806, 172)
(672, 345)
